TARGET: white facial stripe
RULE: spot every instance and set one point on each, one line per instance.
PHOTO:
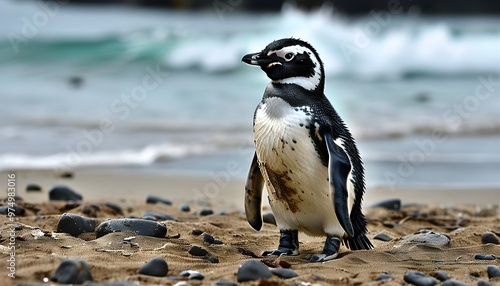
(309, 83)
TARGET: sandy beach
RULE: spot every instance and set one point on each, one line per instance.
(462, 216)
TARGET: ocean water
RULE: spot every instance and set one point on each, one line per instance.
(85, 86)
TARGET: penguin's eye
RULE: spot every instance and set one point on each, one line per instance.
(289, 56)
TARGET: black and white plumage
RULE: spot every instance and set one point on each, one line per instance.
(305, 155)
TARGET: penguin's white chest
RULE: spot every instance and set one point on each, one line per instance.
(296, 179)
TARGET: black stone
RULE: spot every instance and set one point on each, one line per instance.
(139, 226)
(480, 256)
(191, 274)
(269, 218)
(18, 210)
(74, 271)
(155, 199)
(252, 270)
(155, 267)
(206, 212)
(419, 279)
(224, 283)
(382, 236)
(211, 259)
(33, 188)
(390, 204)
(157, 215)
(454, 283)
(196, 250)
(197, 232)
(75, 224)
(383, 276)
(63, 193)
(115, 207)
(440, 275)
(489, 237)
(216, 241)
(493, 271)
(185, 208)
(484, 283)
(284, 273)
(207, 238)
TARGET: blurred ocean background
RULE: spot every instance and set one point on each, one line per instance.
(158, 90)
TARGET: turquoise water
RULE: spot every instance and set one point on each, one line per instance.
(161, 89)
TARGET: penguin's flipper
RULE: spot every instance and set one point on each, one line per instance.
(339, 167)
(253, 195)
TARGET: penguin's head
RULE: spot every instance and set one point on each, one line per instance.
(290, 61)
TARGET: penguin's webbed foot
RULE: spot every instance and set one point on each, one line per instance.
(289, 244)
(330, 250)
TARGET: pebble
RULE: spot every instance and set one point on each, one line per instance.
(197, 232)
(269, 218)
(427, 237)
(207, 238)
(63, 193)
(139, 226)
(252, 270)
(114, 207)
(211, 259)
(454, 283)
(224, 283)
(389, 204)
(440, 275)
(155, 267)
(18, 210)
(75, 224)
(151, 199)
(489, 237)
(484, 283)
(185, 208)
(196, 250)
(33, 188)
(383, 276)
(158, 216)
(74, 271)
(480, 256)
(206, 212)
(419, 279)
(191, 274)
(382, 236)
(284, 273)
(493, 271)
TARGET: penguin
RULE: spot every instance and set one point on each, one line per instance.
(304, 155)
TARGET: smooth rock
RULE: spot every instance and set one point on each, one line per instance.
(382, 236)
(74, 271)
(216, 241)
(155, 267)
(389, 204)
(480, 256)
(419, 279)
(269, 218)
(139, 226)
(207, 238)
(252, 270)
(489, 237)
(185, 208)
(206, 212)
(197, 231)
(158, 216)
(224, 283)
(383, 276)
(484, 283)
(191, 274)
(33, 188)
(18, 210)
(75, 224)
(454, 283)
(284, 273)
(196, 250)
(427, 237)
(440, 275)
(151, 199)
(493, 271)
(63, 193)
(211, 259)
(114, 207)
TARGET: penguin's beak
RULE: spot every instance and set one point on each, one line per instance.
(257, 59)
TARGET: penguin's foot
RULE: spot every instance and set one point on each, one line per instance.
(289, 244)
(330, 250)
